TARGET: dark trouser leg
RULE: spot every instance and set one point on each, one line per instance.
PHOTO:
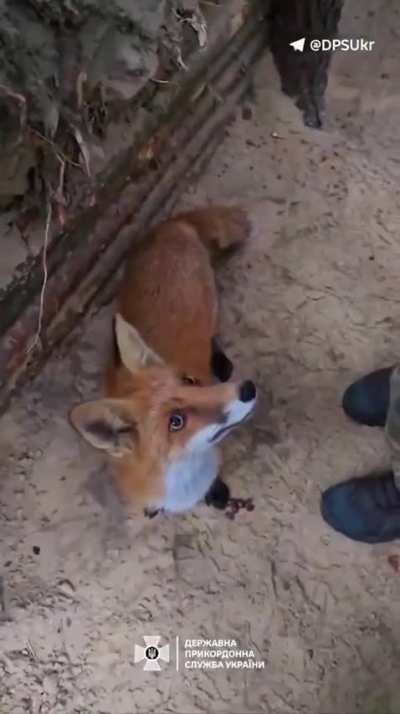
(367, 509)
(392, 428)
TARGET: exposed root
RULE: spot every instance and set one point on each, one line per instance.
(83, 149)
(36, 339)
(60, 155)
(59, 196)
(197, 22)
(80, 82)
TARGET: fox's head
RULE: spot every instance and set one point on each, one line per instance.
(156, 416)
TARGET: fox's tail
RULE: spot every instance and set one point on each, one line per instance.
(221, 228)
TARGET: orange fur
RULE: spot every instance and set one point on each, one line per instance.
(169, 291)
(169, 297)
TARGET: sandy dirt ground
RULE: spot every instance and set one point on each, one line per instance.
(306, 308)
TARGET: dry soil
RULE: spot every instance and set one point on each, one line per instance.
(306, 308)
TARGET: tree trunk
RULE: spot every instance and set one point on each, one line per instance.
(304, 75)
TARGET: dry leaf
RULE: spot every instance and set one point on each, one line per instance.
(146, 153)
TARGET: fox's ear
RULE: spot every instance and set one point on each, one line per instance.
(106, 425)
(134, 352)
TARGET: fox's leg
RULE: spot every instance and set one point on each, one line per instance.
(218, 494)
(152, 512)
(221, 366)
(238, 504)
(219, 497)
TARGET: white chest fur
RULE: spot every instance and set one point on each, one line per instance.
(188, 480)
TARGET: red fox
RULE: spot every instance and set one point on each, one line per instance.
(164, 411)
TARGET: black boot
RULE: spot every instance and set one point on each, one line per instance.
(365, 509)
(366, 401)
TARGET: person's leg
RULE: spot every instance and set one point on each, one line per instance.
(392, 428)
(367, 509)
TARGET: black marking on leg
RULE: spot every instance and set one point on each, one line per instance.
(218, 494)
(221, 366)
(151, 512)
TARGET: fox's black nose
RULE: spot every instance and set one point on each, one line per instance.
(247, 391)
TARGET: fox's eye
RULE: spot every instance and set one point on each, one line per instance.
(190, 380)
(177, 421)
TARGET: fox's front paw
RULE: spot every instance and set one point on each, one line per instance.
(218, 495)
(235, 505)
